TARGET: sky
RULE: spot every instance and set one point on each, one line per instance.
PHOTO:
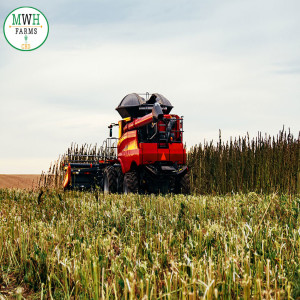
(231, 65)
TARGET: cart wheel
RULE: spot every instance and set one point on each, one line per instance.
(109, 180)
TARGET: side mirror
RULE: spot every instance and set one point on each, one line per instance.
(110, 130)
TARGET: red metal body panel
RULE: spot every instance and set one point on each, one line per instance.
(130, 151)
(152, 153)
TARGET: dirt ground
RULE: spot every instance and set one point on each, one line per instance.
(19, 181)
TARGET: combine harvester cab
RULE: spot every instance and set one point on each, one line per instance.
(149, 156)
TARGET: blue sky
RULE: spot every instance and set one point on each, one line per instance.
(229, 65)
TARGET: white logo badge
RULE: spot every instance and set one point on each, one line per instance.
(26, 28)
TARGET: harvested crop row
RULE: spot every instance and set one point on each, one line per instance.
(90, 245)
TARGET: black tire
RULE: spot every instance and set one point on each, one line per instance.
(109, 180)
(131, 182)
(184, 184)
(120, 179)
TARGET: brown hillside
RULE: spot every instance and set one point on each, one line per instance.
(19, 181)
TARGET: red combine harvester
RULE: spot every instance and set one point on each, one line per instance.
(148, 157)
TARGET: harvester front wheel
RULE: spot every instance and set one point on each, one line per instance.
(130, 182)
(109, 180)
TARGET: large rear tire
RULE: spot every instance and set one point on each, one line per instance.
(131, 182)
(184, 184)
(109, 180)
(120, 179)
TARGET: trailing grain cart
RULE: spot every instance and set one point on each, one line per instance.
(147, 157)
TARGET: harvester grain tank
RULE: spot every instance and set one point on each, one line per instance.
(147, 157)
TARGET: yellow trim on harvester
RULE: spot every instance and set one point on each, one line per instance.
(120, 129)
(128, 119)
